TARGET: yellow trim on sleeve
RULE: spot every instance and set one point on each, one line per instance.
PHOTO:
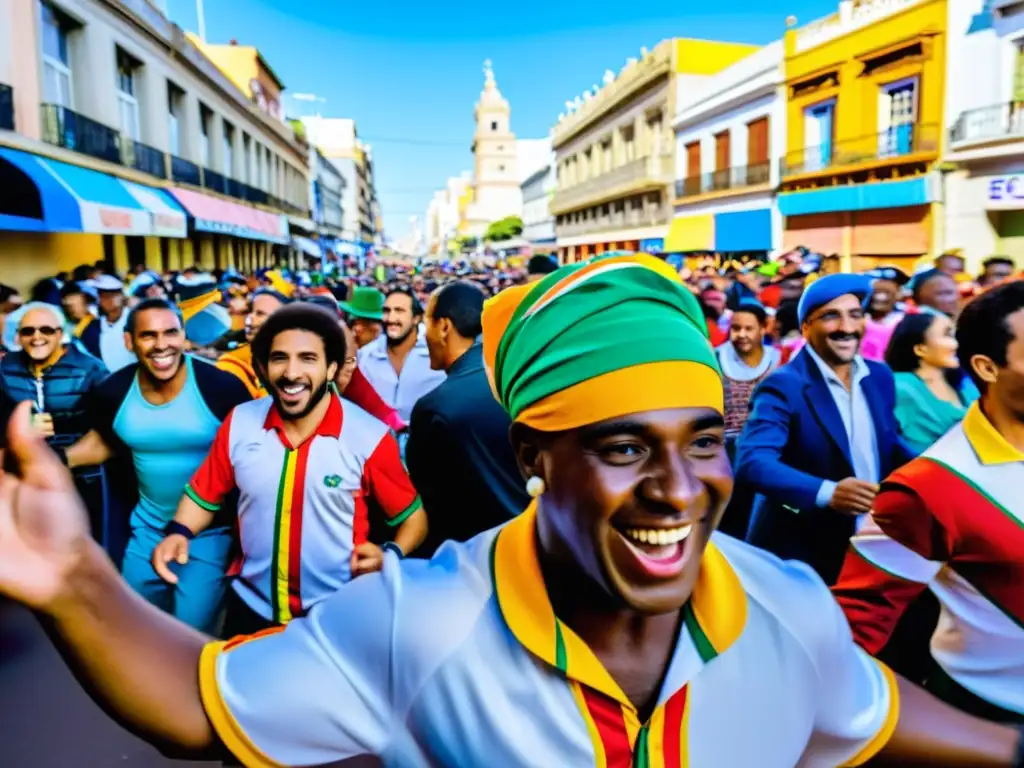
(892, 717)
(227, 728)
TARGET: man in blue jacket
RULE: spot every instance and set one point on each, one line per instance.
(821, 434)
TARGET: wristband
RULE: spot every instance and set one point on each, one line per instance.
(174, 527)
(390, 546)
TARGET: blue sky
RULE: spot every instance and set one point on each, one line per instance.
(411, 71)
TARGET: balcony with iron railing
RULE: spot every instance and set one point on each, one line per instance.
(215, 181)
(636, 218)
(67, 129)
(633, 77)
(185, 171)
(909, 142)
(143, 158)
(6, 108)
(736, 178)
(998, 122)
(634, 176)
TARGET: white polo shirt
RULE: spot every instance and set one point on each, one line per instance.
(460, 661)
(416, 380)
(301, 509)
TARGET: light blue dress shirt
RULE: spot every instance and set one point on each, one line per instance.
(856, 415)
(400, 391)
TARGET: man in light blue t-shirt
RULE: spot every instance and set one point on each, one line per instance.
(164, 412)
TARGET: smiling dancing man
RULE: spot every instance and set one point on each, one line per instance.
(163, 414)
(308, 465)
(604, 626)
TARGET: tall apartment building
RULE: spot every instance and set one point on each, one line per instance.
(135, 146)
(338, 139)
(615, 154)
(445, 218)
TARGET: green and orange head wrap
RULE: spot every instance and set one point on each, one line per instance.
(597, 340)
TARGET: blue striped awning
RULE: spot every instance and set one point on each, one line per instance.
(45, 195)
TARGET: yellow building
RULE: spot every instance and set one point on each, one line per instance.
(864, 90)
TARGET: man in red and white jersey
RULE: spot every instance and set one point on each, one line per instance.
(305, 464)
(952, 520)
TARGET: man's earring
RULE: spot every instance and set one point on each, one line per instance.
(535, 486)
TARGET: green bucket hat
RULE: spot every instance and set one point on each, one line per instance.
(367, 303)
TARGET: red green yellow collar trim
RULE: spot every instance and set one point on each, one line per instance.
(990, 446)
(715, 615)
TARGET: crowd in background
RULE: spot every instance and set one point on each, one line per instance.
(833, 382)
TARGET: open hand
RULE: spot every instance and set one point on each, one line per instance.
(44, 529)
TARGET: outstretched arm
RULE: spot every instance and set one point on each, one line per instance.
(930, 732)
(139, 663)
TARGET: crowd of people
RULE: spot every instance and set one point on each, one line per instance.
(456, 515)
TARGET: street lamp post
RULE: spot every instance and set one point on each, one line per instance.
(201, 20)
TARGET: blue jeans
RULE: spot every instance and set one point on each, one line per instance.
(197, 597)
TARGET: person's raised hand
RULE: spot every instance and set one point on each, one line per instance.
(853, 496)
(44, 528)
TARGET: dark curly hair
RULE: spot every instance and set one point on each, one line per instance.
(300, 316)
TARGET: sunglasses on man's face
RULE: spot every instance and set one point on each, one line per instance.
(30, 330)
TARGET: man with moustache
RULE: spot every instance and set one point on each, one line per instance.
(605, 626)
(163, 413)
(821, 434)
(306, 465)
(397, 363)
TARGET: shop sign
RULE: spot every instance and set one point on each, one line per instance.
(1006, 192)
(653, 245)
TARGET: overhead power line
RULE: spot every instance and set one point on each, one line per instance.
(416, 142)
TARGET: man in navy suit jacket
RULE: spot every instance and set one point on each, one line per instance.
(821, 434)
